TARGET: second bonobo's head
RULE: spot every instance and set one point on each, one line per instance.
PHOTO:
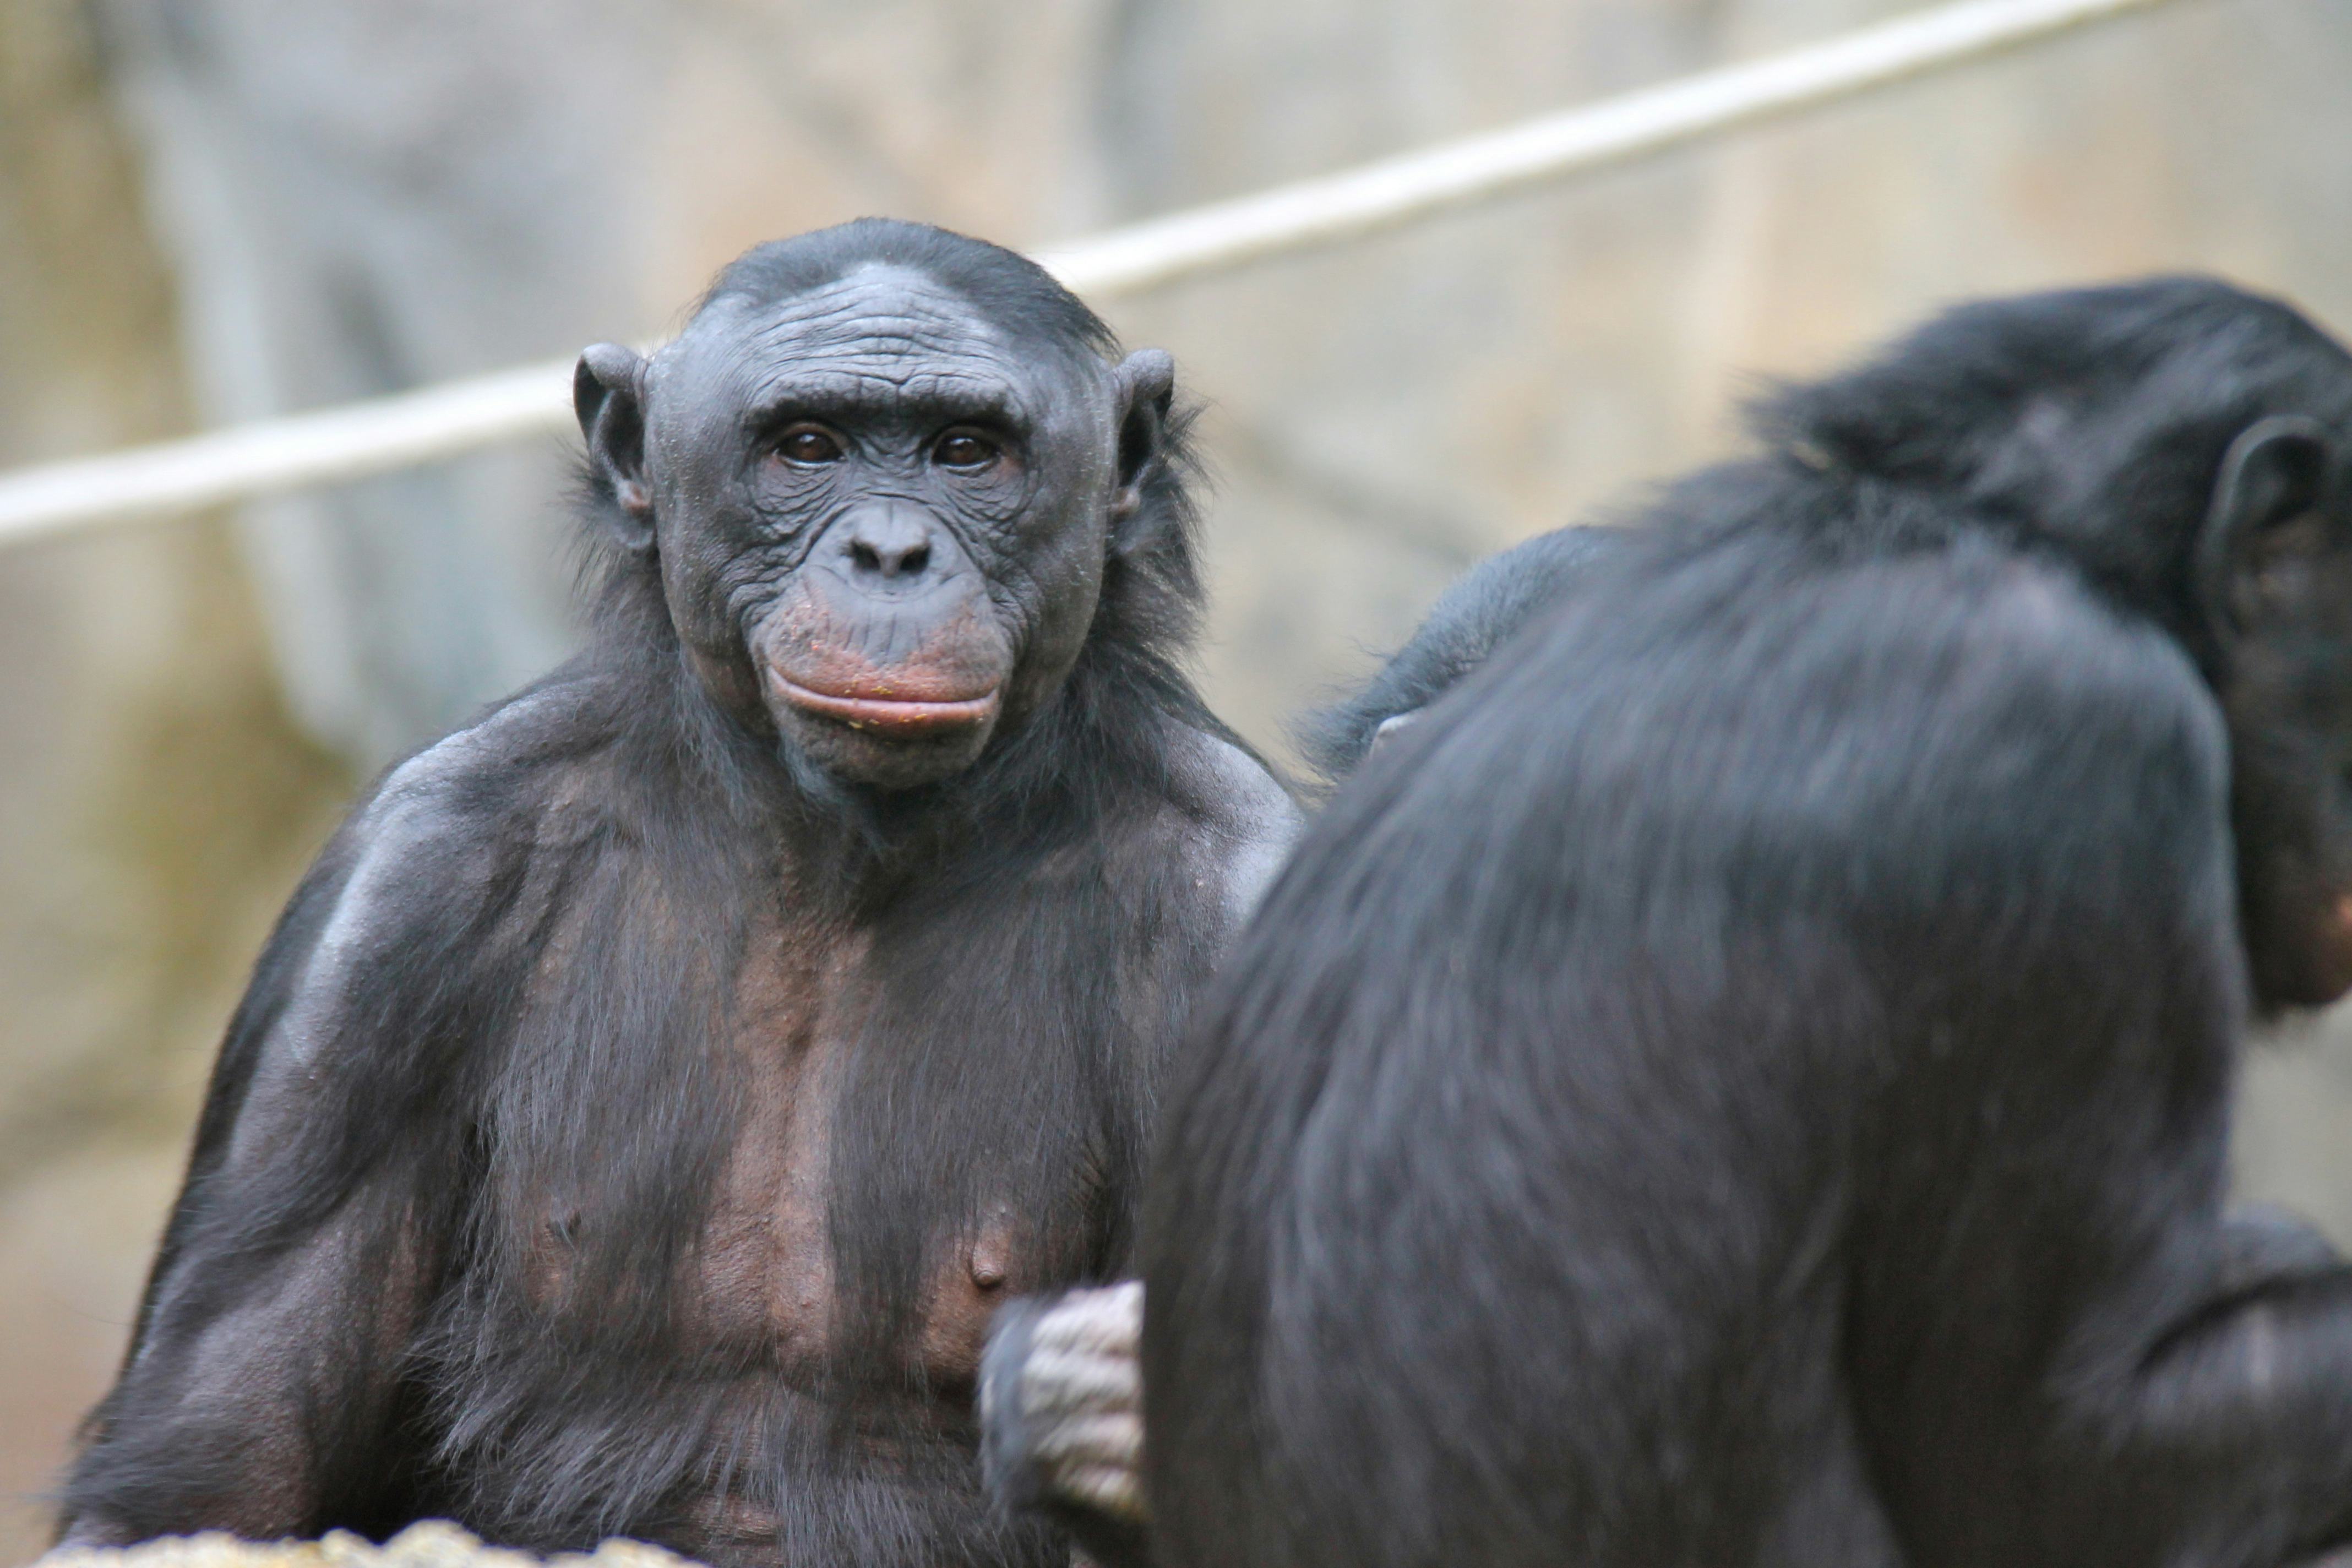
(881, 473)
(2187, 446)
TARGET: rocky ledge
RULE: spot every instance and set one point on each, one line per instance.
(432, 1543)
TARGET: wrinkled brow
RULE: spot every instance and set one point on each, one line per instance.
(875, 397)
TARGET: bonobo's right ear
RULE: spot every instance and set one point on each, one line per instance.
(2272, 512)
(608, 395)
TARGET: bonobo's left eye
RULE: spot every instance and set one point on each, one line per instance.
(965, 449)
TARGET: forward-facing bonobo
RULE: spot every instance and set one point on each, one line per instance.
(644, 1101)
(1745, 1079)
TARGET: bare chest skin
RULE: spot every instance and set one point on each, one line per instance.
(765, 1272)
(891, 1125)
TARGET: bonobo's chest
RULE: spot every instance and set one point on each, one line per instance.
(927, 1118)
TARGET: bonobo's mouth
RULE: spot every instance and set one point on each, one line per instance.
(881, 713)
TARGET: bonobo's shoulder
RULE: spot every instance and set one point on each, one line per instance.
(1972, 640)
(2010, 628)
(1227, 791)
(474, 808)
(1481, 611)
(411, 887)
(507, 762)
(507, 738)
(1236, 816)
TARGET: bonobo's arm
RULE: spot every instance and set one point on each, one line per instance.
(2206, 1399)
(262, 1390)
(1485, 608)
(1061, 1410)
(2237, 1429)
(2090, 1361)
(1061, 1387)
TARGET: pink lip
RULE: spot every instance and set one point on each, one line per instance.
(889, 715)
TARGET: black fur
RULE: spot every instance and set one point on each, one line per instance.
(1746, 1080)
(458, 1236)
(1477, 613)
(1028, 1452)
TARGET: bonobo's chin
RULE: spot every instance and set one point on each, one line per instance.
(882, 742)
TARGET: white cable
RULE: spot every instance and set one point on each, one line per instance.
(271, 455)
(360, 438)
(1397, 191)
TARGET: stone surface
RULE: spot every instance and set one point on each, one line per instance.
(431, 1543)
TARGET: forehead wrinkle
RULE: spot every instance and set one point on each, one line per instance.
(882, 340)
(873, 335)
(889, 336)
(881, 310)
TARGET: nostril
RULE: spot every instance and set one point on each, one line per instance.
(889, 548)
(887, 564)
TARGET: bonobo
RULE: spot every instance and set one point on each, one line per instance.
(1746, 1078)
(1061, 1392)
(644, 1101)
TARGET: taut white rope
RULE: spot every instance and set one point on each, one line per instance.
(360, 438)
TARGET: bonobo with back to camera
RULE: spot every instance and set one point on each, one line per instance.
(1746, 1078)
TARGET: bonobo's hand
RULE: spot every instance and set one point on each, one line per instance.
(1061, 1415)
(2262, 1243)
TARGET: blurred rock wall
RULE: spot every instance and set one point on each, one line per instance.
(218, 208)
(156, 801)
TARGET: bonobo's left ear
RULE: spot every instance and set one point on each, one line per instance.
(608, 396)
(1146, 383)
(2272, 512)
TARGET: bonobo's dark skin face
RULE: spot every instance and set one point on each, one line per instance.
(881, 517)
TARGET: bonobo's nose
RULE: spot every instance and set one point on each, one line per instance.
(888, 542)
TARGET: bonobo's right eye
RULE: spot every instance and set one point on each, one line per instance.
(808, 445)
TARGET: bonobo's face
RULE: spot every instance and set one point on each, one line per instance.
(2275, 574)
(882, 517)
